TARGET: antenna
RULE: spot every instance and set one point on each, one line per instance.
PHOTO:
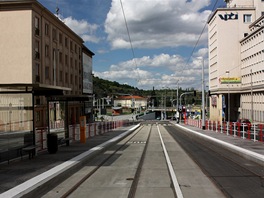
(57, 8)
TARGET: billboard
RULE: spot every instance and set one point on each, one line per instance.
(87, 74)
(226, 80)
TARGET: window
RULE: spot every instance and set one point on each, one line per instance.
(36, 26)
(60, 38)
(37, 56)
(37, 73)
(71, 62)
(66, 60)
(66, 77)
(247, 18)
(71, 45)
(60, 57)
(61, 76)
(66, 42)
(46, 29)
(47, 72)
(46, 50)
(54, 34)
(37, 69)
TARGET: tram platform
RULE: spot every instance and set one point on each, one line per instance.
(21, 176)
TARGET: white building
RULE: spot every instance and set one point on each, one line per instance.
(236, 57)
(136, 102)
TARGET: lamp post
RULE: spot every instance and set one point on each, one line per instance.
(228, 97)
(251, 92)
(203, 112)
(10, 116)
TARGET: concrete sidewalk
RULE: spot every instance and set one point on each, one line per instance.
(19, 171)
(249, 149)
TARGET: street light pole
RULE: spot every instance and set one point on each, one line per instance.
(251, 84)
(203, 112)
(228, 97)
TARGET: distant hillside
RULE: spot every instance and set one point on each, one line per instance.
(103, 88)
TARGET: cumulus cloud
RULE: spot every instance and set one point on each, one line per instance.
(146, 71)
(156, 24)
(84, 29)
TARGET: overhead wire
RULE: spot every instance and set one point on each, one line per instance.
(193, 50)
(130, 41)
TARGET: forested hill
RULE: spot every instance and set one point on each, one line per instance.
(103, 88)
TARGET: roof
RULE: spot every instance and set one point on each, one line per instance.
(130, 98)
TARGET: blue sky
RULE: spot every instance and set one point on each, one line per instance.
(163, 35)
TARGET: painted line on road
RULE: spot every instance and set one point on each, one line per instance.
(172, 173)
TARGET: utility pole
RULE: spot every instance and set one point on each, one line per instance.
(203, 112)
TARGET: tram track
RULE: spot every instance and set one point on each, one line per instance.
(140, 166)
(87, 176)
(134, 138)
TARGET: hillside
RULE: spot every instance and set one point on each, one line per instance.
(103, 88)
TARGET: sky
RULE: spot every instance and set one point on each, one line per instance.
(143, 43)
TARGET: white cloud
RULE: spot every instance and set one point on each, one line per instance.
(156, 24)
(81, 27)
(146, 73)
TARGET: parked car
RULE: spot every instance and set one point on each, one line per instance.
(244, 123)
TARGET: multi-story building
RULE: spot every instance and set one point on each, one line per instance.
(45, 70)
(236, 57)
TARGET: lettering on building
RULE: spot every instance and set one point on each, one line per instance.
(230, 16)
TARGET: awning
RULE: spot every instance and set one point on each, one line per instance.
(36, 89)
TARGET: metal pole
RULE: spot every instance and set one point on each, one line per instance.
(252, 114)
(177, 96)
(228, 100)
(203, 112)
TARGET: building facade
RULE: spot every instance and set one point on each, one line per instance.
(131, 102)
(235, 41)
(44, 69)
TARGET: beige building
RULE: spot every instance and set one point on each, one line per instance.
(236, 61)
(133, 102)
(45, 70)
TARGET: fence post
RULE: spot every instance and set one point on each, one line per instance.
(248, 132)
(260, 132)
(254, 132)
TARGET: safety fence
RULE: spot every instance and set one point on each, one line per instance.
(91, 130)
(253, 131)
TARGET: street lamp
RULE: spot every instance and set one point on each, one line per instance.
(228, 97)
(203, 111)
(203, 106)
(251, 92)
(10, 115)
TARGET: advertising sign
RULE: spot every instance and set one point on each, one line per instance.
(87, 74)
(231, 80)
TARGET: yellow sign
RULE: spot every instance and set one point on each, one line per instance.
(226, 80)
